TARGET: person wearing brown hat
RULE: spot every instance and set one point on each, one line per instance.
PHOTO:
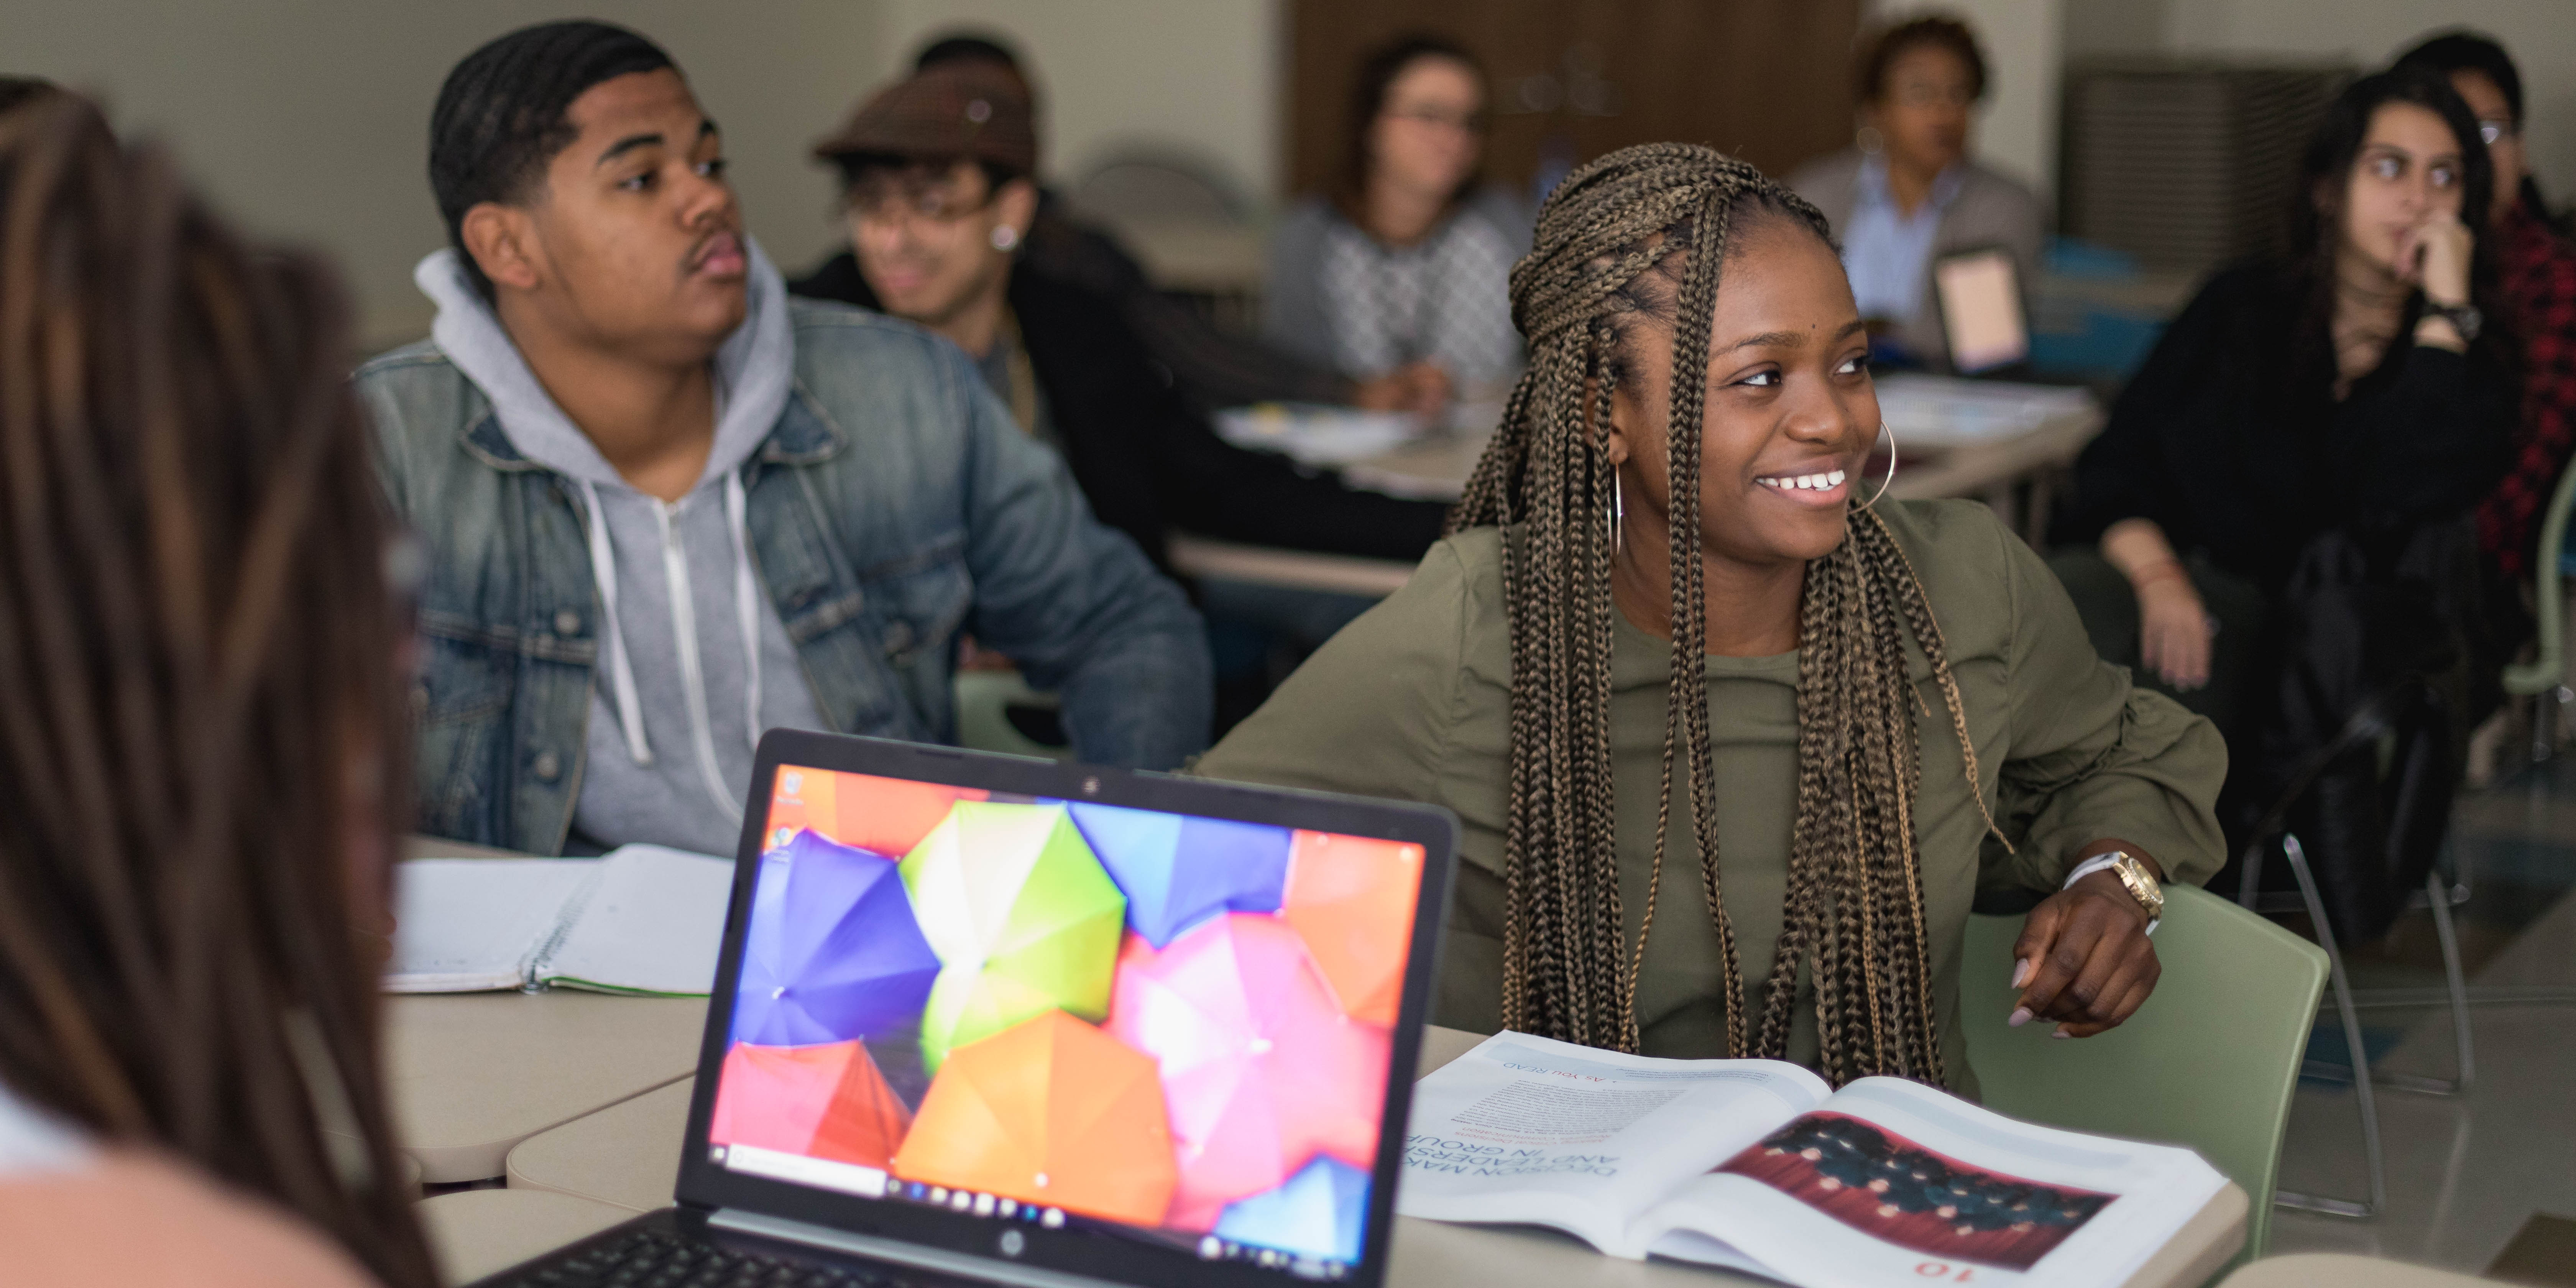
(935, 173)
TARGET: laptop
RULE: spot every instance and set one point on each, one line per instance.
(1982, 315)
(986, 1019)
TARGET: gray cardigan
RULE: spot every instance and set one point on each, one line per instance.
(1292, 302)
(1990, 210)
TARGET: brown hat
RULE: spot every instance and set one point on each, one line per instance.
(953, 110)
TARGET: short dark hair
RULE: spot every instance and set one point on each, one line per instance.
(857, 166)
(1376, 79)
(1937, 31)
(15, 90)
(966, 47)
(2463, 50)
(501, 116)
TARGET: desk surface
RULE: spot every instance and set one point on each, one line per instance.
(476, 1232)
(628, 1158)
(2344, 1271)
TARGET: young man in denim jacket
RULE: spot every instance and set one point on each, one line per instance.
(668, 508)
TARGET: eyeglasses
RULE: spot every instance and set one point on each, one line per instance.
(1468, 122)
(936, 201)
(2495, 132)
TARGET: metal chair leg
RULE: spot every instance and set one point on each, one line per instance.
(2369, 1105)
(2440, 896)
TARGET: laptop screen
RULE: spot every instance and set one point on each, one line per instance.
(1061, 1014)
(1981, 311)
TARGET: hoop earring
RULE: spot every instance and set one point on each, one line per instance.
(1890, 480)
(1618, 511)
(1005, 237)
(1869, 140)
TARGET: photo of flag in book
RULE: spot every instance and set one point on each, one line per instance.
(1893, 1189)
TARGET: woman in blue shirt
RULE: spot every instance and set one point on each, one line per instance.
(1906, 193)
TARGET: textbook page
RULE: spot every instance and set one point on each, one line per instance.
(466, 925)
(653, 924)
(1888, 1182)
(1526, 1129)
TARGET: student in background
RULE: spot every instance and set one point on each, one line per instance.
(668, 508)
(1406, 260)
(201, 746)
(1667, 597)
(1908, 193)
(2535, 286)
(2335, 389)
(936, 176)
(1212, 368)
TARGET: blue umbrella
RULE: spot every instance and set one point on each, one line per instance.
(834, 953)
(1177, 870)
(1319, 1212)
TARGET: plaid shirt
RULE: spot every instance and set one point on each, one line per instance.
(2539, 297)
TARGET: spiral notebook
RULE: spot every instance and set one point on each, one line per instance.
(640, 919)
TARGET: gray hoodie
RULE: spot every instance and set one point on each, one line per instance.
(694, 662)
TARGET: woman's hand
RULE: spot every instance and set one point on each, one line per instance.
(2435, 255)
(2084, 959)
(2173, 628)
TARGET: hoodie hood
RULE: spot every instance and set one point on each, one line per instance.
(755, 369)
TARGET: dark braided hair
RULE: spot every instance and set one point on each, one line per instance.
(1609, 241)
(501, 115)
(201, 722)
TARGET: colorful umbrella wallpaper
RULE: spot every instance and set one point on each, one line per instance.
(1172, 1022)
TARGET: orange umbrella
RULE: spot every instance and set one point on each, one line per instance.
(1050, 1111)
(825, 1101)
(886, 815)
(1352, 898)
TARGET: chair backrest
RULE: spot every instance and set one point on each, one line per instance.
(2210, 1061)
(984, 701)
(2548, 663)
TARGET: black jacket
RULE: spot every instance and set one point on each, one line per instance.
(2231, 440)
(1146, 462)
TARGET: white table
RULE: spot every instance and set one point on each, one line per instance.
(1992, 470)
(627, 1159)
(2342, 1270)
(474, 1233)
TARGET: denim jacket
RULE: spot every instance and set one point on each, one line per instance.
(893, 506)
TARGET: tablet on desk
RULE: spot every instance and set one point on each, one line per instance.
(1979, 293)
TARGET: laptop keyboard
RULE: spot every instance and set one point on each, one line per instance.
(658, 1259)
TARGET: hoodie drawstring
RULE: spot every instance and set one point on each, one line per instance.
(746, 603)
(621, 672)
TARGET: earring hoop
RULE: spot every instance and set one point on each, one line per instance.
(1005, 237)
(1890, 480)
(1869, 140)
(1618, 511)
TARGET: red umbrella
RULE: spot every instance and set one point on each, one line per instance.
(825, 1101)
(1260, 1068)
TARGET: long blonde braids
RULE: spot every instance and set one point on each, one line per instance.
(1853, 912)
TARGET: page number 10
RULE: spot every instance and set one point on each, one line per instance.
(1944, 1270)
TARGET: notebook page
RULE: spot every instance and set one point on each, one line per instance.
(465, 925)
(653, 925)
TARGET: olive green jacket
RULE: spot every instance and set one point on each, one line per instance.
(1412, 701)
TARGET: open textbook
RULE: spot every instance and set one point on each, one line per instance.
(1758, 1166)
(639, 919)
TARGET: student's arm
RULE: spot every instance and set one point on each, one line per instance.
(2093, 765)
(128, 1218)
(1074, 603)
(2437, 440)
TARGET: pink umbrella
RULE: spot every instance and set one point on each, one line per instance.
(825, 1101)
(1261, 1069)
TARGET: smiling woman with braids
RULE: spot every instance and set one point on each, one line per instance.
(1730, 785)
(201, 720)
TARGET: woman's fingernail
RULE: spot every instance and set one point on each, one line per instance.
(2020, 1017)
(2061, 1032)
(2021, 972)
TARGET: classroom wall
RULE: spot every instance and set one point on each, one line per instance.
(1199, 76)
(2541, 35)
(308, 120)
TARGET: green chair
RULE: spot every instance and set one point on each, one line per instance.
(2544, 678)
(984, 702)
(2209, 1062)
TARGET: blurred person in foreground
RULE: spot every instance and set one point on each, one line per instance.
(669, 508)
(2535, 287)
(1907, 193)
(1405, 260)
(1210, 367)
(2290, 472)
(202, 748)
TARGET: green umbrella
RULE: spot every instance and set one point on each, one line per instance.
(1022, 916)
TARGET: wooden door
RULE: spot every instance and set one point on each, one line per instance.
(1769, 80)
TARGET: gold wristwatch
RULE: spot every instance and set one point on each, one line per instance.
(2134, 875)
